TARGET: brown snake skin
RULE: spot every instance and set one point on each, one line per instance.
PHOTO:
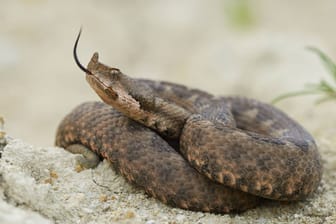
(190, 149)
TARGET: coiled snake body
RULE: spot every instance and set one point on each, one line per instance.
(190, 149)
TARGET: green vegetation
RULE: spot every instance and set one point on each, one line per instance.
(240, 13)
(326, 90)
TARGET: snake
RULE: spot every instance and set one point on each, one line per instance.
(188, 148)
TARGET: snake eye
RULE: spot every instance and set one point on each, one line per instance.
(115, 73)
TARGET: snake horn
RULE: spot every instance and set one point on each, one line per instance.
(75, 54)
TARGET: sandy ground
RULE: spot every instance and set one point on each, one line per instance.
(190, 42)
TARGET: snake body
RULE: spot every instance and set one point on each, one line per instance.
(190, 149)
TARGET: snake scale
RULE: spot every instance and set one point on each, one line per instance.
(188, 148)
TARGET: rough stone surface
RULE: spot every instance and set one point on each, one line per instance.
(44, 180)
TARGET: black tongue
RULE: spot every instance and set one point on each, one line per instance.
(75, 54)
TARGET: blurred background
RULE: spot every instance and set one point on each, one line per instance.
(254, 48)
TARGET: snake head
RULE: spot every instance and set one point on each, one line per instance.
(104, 80)
(130, 96)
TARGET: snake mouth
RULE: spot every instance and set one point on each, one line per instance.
(106, 93)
